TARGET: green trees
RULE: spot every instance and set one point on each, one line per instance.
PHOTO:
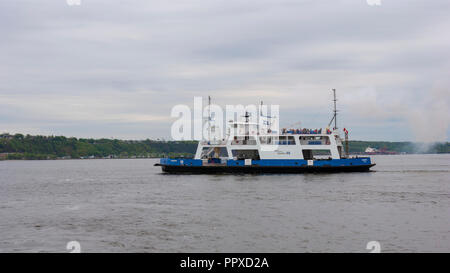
(52, 147)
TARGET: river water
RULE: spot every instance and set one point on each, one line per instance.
(128, 205)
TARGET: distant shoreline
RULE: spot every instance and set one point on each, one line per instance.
(123, 158)
(28, 147)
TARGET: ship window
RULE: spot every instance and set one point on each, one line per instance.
(268, 140)
(277, 140)
(291, 140)
(314, 140)
(214, 152)
(287, 140)
(242, 140)
(307, 154)
(316, 154)
(246, 154)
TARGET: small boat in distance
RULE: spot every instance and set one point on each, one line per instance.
(294, 151)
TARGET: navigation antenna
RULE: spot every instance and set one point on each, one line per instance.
(247, 127)
(246, 116)
(335, 112)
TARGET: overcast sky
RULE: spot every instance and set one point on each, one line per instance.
(111, 68)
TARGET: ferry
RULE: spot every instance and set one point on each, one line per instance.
(289, 151)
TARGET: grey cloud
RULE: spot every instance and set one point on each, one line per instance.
(143, 57)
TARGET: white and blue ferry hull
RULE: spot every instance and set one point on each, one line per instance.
(198, 166)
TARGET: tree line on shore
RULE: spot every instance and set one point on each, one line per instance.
(21, 146)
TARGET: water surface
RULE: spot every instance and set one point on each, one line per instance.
(128, 205)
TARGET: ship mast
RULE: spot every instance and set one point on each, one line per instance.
(209, 118)
(334, 112)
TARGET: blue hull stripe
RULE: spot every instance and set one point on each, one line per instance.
(360, 161)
